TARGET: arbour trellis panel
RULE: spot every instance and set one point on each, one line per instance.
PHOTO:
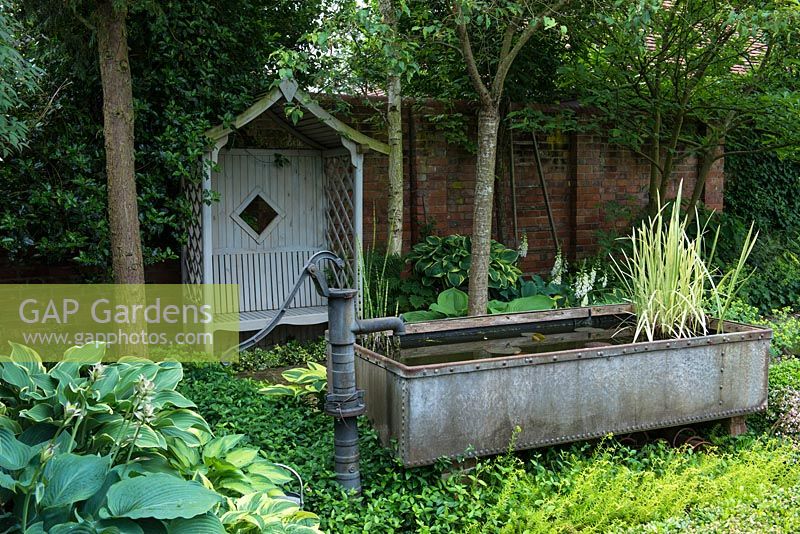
(340, 221)
(221, 249)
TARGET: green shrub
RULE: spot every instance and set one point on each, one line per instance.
(444, 262)
(285, 355)
(776, 281)
(784, 377)
(739, 311)
(762, 187)
(785, 333)
(774, 262)
(615, 488)
(312, 380)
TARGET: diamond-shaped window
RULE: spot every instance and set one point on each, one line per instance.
(256, 214)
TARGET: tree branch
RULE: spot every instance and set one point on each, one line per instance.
(469, 57)
(508, 60)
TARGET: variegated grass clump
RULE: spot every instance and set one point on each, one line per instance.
(667, 279)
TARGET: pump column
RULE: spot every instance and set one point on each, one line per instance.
(344, 402)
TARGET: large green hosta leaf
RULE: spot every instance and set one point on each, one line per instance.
(14, 454)
(421, 316)
(204, 524)
(534, 303)
(70, 478)
(27, 357)
(451, 302)
(159, 496)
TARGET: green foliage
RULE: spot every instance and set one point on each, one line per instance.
(775, 261)
(785, 327)
(114, 409)
(531, 78)
(380, 278)
(312, 380)
(784, 380)
(18, 77)
(257, 512)
(618, 489)
(283, 355)
(763, 188)
(55, 189)
(784, 323)
(678, 79)
(522, 304)
(739, 311)
(582, 487)
(453, 303)
(443, 262)
(88, 447)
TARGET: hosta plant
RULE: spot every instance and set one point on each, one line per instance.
(444, 262)
(453, 303)
(87, 447)
(310, 380)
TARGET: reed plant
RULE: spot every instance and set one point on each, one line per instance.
(669, 279)
(376, 272)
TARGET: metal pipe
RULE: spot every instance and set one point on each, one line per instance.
(380, 324)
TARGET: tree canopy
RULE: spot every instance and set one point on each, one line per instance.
(675, 79)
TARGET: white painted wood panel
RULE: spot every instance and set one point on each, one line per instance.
(267, 268)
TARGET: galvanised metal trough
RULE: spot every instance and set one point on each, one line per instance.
(458, 388)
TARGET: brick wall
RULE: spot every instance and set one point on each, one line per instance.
(591, 184)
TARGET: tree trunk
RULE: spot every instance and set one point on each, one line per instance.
(655, 172)
(669, 157)
(706, 163)
(394, 100)
(115, 74)
(488, 122)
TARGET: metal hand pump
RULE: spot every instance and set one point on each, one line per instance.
(344, 402)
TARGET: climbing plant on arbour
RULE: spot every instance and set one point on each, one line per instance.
(193, 64)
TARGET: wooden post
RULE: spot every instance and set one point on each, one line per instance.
(209, 160)
(737, 425)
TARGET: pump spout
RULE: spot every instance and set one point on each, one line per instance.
(380, 324)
